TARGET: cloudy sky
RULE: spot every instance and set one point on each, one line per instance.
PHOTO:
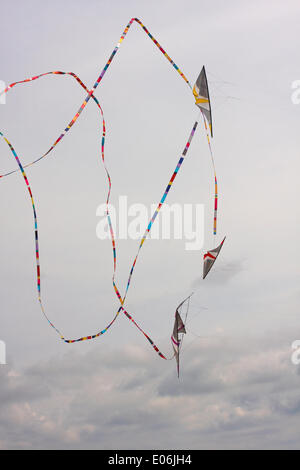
(238, 386)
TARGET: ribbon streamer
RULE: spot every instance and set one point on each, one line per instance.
(90, 94)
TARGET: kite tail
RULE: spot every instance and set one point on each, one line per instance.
(215, 178)
(36, 233)
(37, 251)
(31, 79)
(100, 333)
(90, 92)
(162, 51)
(146, 336)
(113, 240)
(148, 229)
(71, 123)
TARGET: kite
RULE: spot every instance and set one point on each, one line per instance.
(176, 338)
(178, 332)
(201, 95)
(210, 257)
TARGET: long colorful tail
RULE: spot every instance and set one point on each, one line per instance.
(21, 168)
(91, 92)
(215, 178)
(148, 229)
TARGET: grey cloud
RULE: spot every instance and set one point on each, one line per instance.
(221, 391)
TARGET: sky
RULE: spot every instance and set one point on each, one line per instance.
(238, 387)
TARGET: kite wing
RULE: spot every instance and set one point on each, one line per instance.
(178, 329)
(210, 257)
(201, 94)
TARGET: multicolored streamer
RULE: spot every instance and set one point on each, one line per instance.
(145, 334)
(21, 168)
(148, 229)
(215, 178)
(90, 94)
(34, 210)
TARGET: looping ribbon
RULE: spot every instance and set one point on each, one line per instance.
(21, 168)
